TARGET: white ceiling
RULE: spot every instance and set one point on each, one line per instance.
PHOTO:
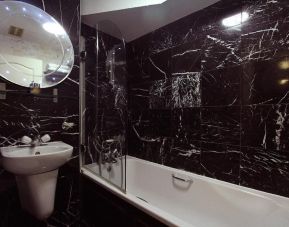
(100, 6)
(136, 22)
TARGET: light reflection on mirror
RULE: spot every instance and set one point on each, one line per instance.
(283, 81)
(35, 48)
(284, 64)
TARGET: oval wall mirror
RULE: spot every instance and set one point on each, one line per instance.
(35, 49)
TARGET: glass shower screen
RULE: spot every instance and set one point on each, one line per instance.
(104, 103)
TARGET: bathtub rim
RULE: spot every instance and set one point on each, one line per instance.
(162, 215)
(259, 193)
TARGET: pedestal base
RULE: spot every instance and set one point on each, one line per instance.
(37, 193)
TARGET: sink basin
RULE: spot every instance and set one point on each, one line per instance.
(26, 160)
(36, 170)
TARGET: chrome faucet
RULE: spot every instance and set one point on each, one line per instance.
(36, 142)
(110, 154)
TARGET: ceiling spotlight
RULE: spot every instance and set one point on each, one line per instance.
(235, 19)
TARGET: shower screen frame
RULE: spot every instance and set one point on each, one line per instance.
(103, 147)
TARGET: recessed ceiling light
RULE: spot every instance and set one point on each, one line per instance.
(151, 2)
(235, 19)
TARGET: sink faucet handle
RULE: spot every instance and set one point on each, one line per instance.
(26, 140)
(45, 138)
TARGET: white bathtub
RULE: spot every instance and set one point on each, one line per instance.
(198, 202)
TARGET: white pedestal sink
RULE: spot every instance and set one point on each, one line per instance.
(36, 170)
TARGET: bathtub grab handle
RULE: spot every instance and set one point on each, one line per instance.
(177, 177)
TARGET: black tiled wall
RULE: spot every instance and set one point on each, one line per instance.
(213, 100)
(23, 114)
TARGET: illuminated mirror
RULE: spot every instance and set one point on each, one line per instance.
(35, 49)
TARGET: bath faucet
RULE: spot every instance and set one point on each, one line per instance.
(110, 156)
(111, 152)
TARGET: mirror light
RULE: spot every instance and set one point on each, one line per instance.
(235, 19)
(17, 64)
(53, 28)
(284, 64)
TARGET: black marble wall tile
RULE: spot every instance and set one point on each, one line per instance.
(154, 67)
(160, 65)
(185, 150)
(160, 94)
(185, 155)
(161, 39)
(149, 134)
(265, 126)
(139, 69)
(221, 87)
(139, 48)
(150, 95)
(185, 33)
(221, 161)
(221, 125)
(186, 90)
(187, 57)
(222, 48)
(265, 170)
(186, 124)
(139, 96)
(265, 34)
(154, 123)
(110, 122)
(266, 82)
